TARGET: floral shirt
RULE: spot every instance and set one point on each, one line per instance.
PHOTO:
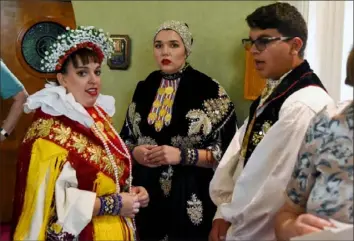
(322, 180)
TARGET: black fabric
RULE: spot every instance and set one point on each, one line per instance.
(168, 215)
(301, 77)
(175, 75)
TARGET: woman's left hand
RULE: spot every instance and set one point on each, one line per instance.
(143, 195)
(164, 155)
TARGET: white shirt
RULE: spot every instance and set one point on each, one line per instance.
(249, 197)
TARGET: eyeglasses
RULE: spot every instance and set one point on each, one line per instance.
(261, 43)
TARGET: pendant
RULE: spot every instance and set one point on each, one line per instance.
(169, 90)
(166, 181)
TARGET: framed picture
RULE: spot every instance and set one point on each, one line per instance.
(120, 59)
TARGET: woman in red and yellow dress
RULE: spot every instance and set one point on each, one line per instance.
(74, 171)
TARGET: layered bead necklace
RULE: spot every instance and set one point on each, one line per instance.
(160, 114)
(105, 141)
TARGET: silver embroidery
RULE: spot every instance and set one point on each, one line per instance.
(199, 122)
(185, 141)
(222, 91)
(216, 151)
(130, 144)
(146, 140)
(195, 210)
(216, 109)
(134, 119)
(182, 30)
(166, 181)
(165, 238)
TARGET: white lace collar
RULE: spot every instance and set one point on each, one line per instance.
(53, 100)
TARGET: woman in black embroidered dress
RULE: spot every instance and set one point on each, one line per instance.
(178, 126)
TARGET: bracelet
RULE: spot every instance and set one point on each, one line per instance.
(209, 157)
(3, 132)
(110, 204)
(189, 157)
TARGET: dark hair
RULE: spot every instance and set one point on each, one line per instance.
(283, 17)
(350, 68)
(83, 54)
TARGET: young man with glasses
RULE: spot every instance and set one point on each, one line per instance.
(250, 180)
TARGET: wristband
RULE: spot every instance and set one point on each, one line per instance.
(110, 205)
(189, 157)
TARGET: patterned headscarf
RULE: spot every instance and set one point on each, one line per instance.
(180, 28)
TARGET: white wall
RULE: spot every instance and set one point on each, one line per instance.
(330, 28)
(347, 91)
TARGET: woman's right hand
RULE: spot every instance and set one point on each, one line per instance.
(139, 154)
(308, 223)
(130, 205)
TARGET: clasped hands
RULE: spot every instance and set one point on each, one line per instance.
(155, 156)
(132, 202)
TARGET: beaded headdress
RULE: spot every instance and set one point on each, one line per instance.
(74, 39)
(180, 28)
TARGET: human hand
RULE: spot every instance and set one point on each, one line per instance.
(139, 154)
(164, 155)
(130, 205)
(219, 230)
(143, 196)
(308, 223)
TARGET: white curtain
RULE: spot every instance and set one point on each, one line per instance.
(330, 28)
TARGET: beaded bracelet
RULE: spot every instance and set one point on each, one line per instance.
(110, 204)
(189, 157)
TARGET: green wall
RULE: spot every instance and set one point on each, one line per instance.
(217, 27)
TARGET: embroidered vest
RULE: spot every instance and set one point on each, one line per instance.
(301, 77)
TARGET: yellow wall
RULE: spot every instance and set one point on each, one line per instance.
(217, 27)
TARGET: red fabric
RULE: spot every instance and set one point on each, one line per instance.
(21, 181)
(87, 233)
(115, 140)
(4, 232)
(85, 171)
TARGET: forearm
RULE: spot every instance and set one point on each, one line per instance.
(15, 112)
(96, 207)
(284, 225)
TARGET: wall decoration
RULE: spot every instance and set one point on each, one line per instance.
(36, 40)
(120, 59)
(253, 82)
